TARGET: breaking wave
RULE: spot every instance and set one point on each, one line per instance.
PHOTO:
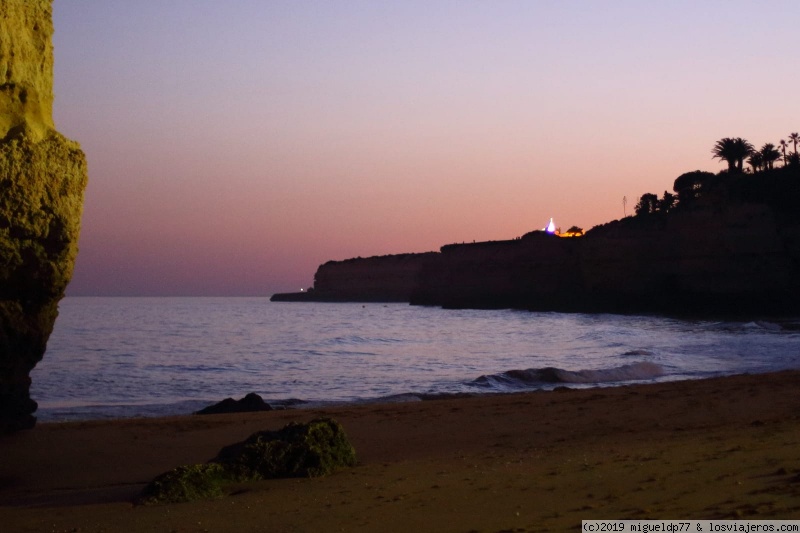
(637, 353)
(549, 375)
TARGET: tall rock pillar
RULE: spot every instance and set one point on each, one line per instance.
(42, 179)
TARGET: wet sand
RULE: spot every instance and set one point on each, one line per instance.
(542, 461)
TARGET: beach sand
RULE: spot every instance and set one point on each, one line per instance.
(541, 461)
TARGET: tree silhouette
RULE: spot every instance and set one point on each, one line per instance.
(733, 151)
(783, 145)
(648, 203)
(794, 137)
(667, 202)
(756, 161)
(688, 185)
(769, 154)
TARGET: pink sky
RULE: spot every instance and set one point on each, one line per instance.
(235, 146)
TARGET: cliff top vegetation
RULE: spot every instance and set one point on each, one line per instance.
(772, 177)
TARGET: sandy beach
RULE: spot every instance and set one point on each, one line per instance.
(541, 461)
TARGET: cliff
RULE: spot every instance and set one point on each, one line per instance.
(502, 273)
(735, 251)
(733, 258)
(388, 278)
(42, 177)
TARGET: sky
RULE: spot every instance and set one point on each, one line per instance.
(235, 146)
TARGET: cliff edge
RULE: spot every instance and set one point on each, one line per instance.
(732, 250)
(386, 278)
(42, 177)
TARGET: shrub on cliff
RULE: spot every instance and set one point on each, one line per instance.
(689, 185)
(647, 204)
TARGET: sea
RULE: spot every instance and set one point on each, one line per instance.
(147, 357)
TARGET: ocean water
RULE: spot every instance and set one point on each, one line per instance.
(126, 357)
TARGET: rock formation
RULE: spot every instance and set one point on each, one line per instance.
(735, 259)
(42, 179)
(251, 403)
(387, 278)
(735, 250)
(315, 449)
(539, 266)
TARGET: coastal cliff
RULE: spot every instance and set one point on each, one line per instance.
(388, 278)
(718, 258)
(734, 251)
(538, 266)
(42, 177)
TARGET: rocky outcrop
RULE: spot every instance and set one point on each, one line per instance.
(42, 179)
(733, 259)
(388, 278)
(735, 251)
(251, 403)
(315, 449)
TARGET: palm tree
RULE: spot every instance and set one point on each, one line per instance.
(743, 149)
(733, 151)
(769, 154)
(784, 144)
(794, 137)
(756, 161)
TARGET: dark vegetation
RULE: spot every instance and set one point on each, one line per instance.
(773, 177)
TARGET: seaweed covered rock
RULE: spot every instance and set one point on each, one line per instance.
(298, 450)
(185, 484)
(42, 179)
(317, 448)
(251, 403)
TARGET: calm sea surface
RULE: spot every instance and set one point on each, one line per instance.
(116, 357)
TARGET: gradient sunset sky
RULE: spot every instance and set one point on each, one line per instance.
(233, 146)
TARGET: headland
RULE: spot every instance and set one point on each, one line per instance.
(723, 244)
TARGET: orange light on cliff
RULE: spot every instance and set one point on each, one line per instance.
(552, 229)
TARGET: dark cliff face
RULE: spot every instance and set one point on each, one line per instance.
(538, 266)
(724, 259)
(736, 251)
(733, 260)
(389, 278)
(42, 179)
